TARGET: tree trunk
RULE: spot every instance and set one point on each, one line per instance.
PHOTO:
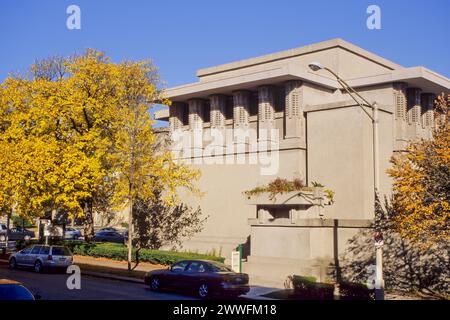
(89, 222)
(130, 233)
(8, 226)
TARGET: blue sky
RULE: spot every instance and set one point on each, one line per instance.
(183, 36)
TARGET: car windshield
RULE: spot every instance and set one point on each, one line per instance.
(60, 251)
(14, 292)
(220, 267)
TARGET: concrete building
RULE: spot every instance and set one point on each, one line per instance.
(322, 136)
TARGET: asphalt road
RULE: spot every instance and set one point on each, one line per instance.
(52, 286)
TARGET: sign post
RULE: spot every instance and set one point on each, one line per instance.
(236, 259)
(379, 281)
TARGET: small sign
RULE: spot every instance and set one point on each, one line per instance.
(51, 230)
(235, 261)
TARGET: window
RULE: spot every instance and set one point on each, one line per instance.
(179, 267)
(229, 108)
(207, 112)
(45, 250)
(60, 251)
(36, 249)
(26, 250)
(196, 266)
(220, 267)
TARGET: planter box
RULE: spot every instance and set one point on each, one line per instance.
(308, 197)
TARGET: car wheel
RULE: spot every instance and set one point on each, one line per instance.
(38, 267)
(203, 291)
(155, 284)
(13, 263)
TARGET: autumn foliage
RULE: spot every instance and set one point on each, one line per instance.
(77, 136)
(422, 183)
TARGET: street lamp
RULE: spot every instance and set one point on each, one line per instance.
(316, 66)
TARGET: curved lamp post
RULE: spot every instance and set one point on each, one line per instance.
(316, 66)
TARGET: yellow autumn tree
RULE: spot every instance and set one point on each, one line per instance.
(422, 183)
(77, 136)
(140, 169)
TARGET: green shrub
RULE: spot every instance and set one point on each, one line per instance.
(119, 252)
(307, 288)
(21, 222)
(355, 291)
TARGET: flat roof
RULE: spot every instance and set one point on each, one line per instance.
(320, 46)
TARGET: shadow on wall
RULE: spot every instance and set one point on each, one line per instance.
(406, 266)
(246, 248)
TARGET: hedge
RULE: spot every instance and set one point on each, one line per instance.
(308, 288)
(355, 291)
(119, 252)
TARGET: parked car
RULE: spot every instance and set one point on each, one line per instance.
(72, 234)
(13, 290)
(17, 233)
(203, 277)
(3, 230)
(111, 229)
(41, 257)
(109, 236)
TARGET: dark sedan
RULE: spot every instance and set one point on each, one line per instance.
(202, 277)
(18, 233)
(109, 236)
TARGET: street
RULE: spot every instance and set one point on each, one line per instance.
(52, 286)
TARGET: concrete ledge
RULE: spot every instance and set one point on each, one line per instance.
(315, 222)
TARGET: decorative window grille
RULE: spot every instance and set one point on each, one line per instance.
(241, 106)
(400, 101)
(195, 114)
(218, 109)
(266, 109)
(413, 102)
(427, 100)
(176, 111)
(293, 99)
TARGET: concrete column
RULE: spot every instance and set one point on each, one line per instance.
(294, 118)
(427, 102)
(241, 100)
(176, 111)
(196, 110)
(414, 111)
(414, 114)
(400, 115)
(218, 109)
